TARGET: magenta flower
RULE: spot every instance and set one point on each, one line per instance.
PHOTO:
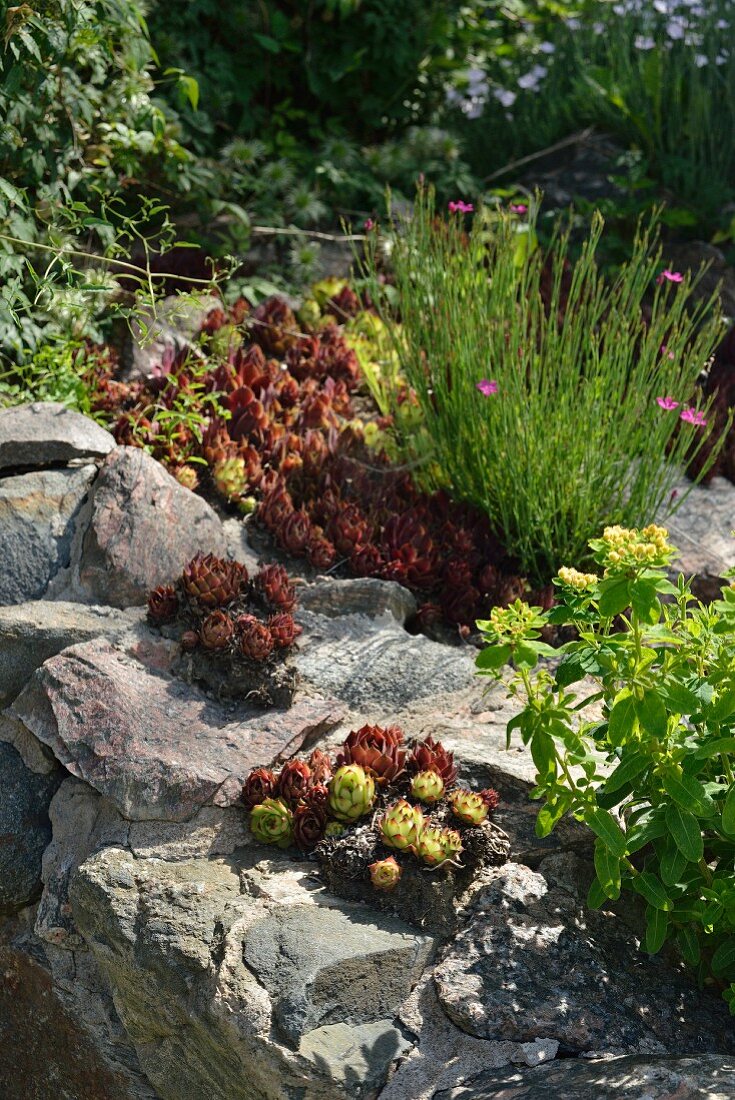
(694, 416)
(518, 208)
(487, 387)
(663, 350)
(460, 207)
(667, 276)
(368, 224)
(667, 403)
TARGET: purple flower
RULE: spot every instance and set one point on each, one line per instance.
(663, 350)
(667, 403)
(693, 416)
(487, 387)
(368, 224)
(518, 208)
(667, 276)
(460, 207)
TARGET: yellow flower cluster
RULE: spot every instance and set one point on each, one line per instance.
(627, 547)
(572, 578)
(513, 621)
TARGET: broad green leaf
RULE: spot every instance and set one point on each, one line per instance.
(524, 653)
(685, 831)
(714, 748)
(603, 824)
(614, 597)
(629, 767)
(651, 713)
(622, 717)
(672, 864)
(724, 706)
(608, 870)
(689, 793)
(650, 887)
(543, 752)
(492, 657)
(680, 698)
(688, 944)
(723, 960)
(657, 925)
(728, 812)
(596, 896)
(552, 812)
(575, 666)
(644, 601)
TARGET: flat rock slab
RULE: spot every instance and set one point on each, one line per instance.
(358, 596)
(47, 433)
(701, 529)
(38, 514)
(156, 747)
(637, 1077)
(25, 829)
(143, 529)
(533, 962)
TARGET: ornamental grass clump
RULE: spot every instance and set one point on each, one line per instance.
(368, 809)
(644, 750)
(541, 381)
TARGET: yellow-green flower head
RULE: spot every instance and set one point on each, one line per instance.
(572, 578)
(514, 622)
(625, 548)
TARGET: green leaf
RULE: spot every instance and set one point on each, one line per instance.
(632, 764)
(728, 812)
(644, 601)
(685, 831)
(614, 596)
(714, 748)
(622, 717)
(575, 666)
(672, 864)
(603, 824)
(688, 944)
(596, 896)
(492, 657)
(524, 653)
(723, 960)
(551, 813)
(650, 887)
(543, 752)
(689, 793)
(724, 706)
(268, 43)
(651, 713)
(680, 698)
(657, 925)
(608, 870)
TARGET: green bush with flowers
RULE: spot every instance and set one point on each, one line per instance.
(643, 750)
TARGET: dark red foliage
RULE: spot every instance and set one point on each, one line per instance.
(284, 630)
(321, 769)
(163, 604)
(430, 755)
(254, 638)
(217, 630)
(259, 785)
(294, 781)
(491, 798)
(309, 823)
(378, 749)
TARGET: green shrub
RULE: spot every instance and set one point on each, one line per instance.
(660, 714)
(574, 436)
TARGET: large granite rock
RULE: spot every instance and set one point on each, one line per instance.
(534, 962)
(358, 596)
(143, 527)
(636, 1077)
(38, 517)
(47, 433)
(702, 529)
(25, 829)
(155, 746)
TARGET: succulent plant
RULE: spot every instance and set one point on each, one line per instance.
(376, 749)
(217, 630)
(452, 842)
(468, 806)
(230, 477)
(430, 755)
(321, 768)
(431, 847)
(294, 781)
(212, 581)
(276, 587)
(254, 638)
(271, 822)
(284, 630)
(309, 823)
(491, 798)
(296, 532)
(163, 604)
(385, 874)
(351, 793)
(189, 640)
(259, 785)
(400, 826)
(427, 787)
(321, 553)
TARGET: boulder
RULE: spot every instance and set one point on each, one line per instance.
(25, 829)
(157, 747)
(635, 1077)
(358, 596)
(38, 518)
(701, 529)
(47, 433)
(171, 327)
(533, 962)
(143, 528)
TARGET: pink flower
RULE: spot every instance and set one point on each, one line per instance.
(694, 416)
(665, 351)
(460, 207)
(667, 276)
(368, 224)
(667, 403)
(486, 387)
(518, 208)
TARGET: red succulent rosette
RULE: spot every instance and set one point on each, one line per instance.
(490, 797)
(217, 630)
(378, 750)
(163, 604)
(212, 581)
(259, 785)
(294, 781)
(254, 638)
(321, 768)
(274, 584)
(309, 824)
(284, 630)
(430, 755)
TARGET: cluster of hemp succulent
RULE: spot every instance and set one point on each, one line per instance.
(373, 773)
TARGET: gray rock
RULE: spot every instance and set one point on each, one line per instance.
(367, 662)
(25, 829)
(38, 515)
(155, 746)
(238, 544)
(701, 528)
(158, 336)
(32, 632)
(319, 965)
(356, 1056)
(533, 963)
(143, 528)
(636, 1077)
(47, 433)
(358, 596)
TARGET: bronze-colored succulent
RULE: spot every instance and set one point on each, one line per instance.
(163, 604)
(378, 750)
(212, 581)
(294, 781)
(254, 638)
(430, 755)
(491, 798)
(321, 768)
(274, 583)
(321, 553)
(309, 824)
(259, 785)
(317, 795)
(189, 640)
(296, 532)
(284, 630)
(217, 630)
